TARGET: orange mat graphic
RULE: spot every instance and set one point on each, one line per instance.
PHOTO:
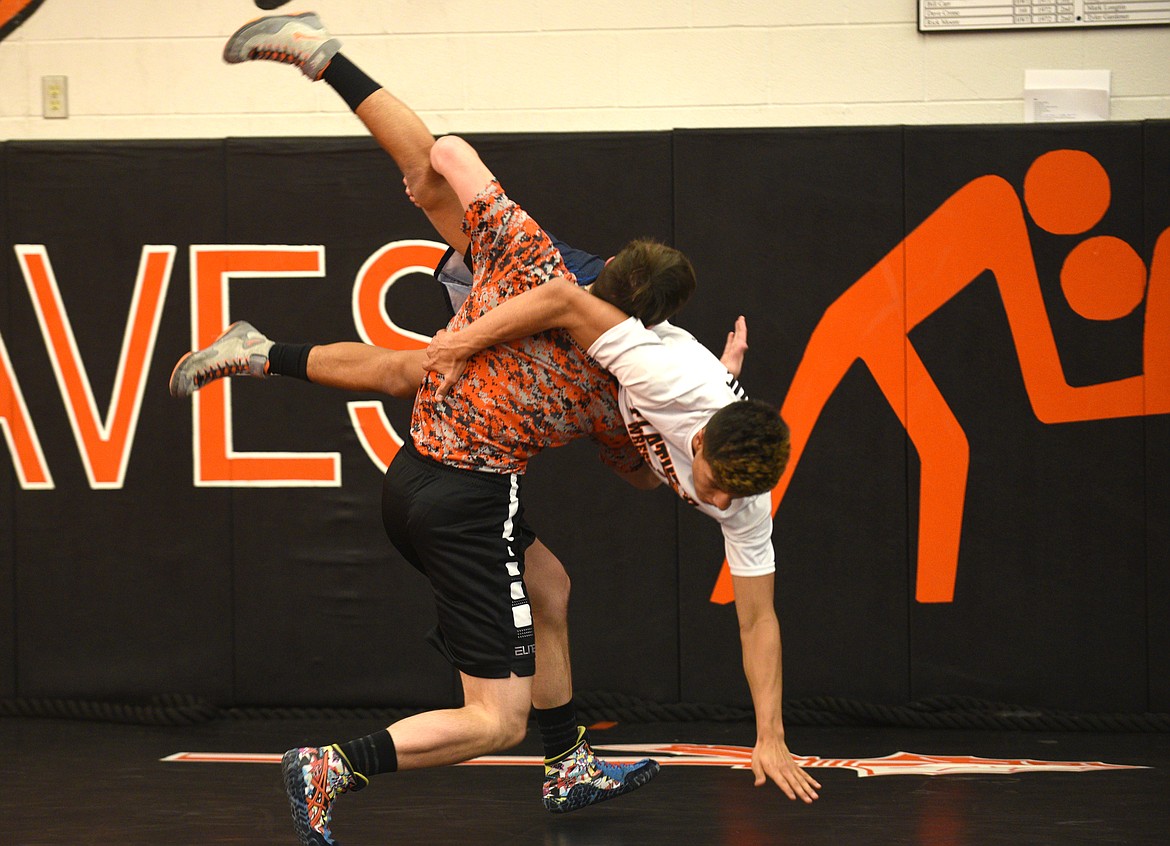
(980, 228)
(740, 757)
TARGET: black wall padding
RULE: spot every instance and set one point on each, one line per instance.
(942, 712)
(1053, 561)
(291, 597)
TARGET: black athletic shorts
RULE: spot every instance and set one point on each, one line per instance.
(465, 531)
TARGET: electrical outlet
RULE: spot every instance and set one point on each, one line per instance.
(55, 96)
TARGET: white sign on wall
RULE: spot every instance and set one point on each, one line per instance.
(1052, 96)
(964, 15)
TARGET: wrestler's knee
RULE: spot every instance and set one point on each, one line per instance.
(450, 152)
(510, 729)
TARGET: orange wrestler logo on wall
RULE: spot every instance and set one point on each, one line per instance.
(982, 227)
(15, 12)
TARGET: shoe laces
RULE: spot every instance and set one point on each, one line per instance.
(274, 55)
(231, 367)
(336, 775)
(328, 776)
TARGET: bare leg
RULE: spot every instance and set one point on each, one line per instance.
(548, 590)
(402, 134)
(397, 128)
(363, 367)
(494, 717)
(459, 163)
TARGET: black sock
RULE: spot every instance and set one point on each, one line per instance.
(349, 81)
(558, 729)
(289, 360)
(371, 755)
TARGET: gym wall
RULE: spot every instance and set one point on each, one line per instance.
(145, 69)
(931, 280)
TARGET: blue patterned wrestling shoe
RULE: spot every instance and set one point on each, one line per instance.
(579, 778)
(313, 778)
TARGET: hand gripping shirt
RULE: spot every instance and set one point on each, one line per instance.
(670, 386)
(515, 399)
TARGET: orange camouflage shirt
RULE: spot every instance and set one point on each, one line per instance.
(518, 398)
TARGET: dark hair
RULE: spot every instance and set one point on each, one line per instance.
(746, 444)
(648, 280)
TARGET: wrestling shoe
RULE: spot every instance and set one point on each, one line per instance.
(313, 779)
(579, 778)
(240, 351)
(298, 40)
(270, 4)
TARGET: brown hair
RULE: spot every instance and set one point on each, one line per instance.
(648, 280)
(746, 444)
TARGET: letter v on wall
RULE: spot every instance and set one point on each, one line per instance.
(104, 445)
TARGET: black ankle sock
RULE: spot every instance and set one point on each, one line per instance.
(289, 360)
(349, 81)
(371, 755)
(558, 728)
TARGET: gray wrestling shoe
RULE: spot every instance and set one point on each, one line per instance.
(240, 351)
(298, 40)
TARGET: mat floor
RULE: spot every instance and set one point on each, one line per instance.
(72, 783)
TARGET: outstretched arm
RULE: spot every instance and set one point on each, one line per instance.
(557, 304)
(759, 633)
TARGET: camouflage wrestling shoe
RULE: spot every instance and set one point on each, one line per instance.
(313, 779)
(579, 778)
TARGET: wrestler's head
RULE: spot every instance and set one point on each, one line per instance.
(743, 449)
(647, 280)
